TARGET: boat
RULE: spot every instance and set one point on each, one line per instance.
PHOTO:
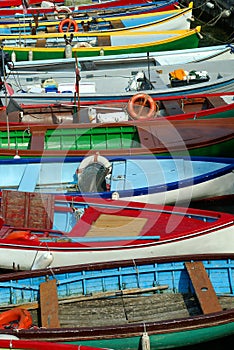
(97, 230)
(212, 137)
(94, 44)
(139, 108)
(154, 302)
(108, 84)
(215, 52)
(146, 178)
(165, 20)
(12, 342)
(52, 8)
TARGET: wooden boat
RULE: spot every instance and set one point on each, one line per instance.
(12, 342)
(61, 9)
(139, 108)
(157, 302)
(165, 20)
(137, 178)
(120, 84)
(199, 137)
(90, 45)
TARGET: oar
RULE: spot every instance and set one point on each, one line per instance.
(107, 239)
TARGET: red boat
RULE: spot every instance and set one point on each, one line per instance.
(11, 11)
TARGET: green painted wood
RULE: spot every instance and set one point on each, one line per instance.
(167, 340)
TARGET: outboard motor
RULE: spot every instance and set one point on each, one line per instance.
(92, 174)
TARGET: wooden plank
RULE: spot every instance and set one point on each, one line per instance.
(203, 287)
(117, 24)
(216, 101)
(149, 137)
(116, 225)
(27, 209)
(41, 42)
(97, 295)
(37, 140)
(49, 304)
(104, 41)
(172, 107)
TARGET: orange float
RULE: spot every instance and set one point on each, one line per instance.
(142, 101)
(22, 235)
(16, 318)
(66, 24)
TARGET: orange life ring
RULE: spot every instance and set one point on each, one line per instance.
(21, 235)
(16, 318)
(145, 102)
(66, 24)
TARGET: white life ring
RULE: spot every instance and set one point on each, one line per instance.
(96, 158)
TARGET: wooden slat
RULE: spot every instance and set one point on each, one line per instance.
(172, 107)
(97, 295)
(40, 42)
(203, 287)
(104, 41)
(216, 101)
(116, 225)
(37, 140)
(148, 136)
(117, 24)
(49, 304)
(27, 209)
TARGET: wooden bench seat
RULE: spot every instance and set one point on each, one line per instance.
(216, 101)
(203, 287)
(104, 41)
(117, 24)
(172, 107)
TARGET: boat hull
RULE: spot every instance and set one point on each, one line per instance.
(13, 256)
(118, 281)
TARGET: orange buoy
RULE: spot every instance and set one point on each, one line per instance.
(21, 235)
(16, 318)
(145, 102)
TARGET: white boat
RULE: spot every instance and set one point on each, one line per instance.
(120, 84)
(200, 54)
(105, 231)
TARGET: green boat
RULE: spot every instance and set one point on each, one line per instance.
(199, 137)
(53, 46)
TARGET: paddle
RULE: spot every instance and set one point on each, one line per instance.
(107, 239)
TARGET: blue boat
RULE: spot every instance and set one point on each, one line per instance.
(162, 303)
(143, 178)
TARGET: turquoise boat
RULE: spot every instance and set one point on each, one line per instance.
(162, 303)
